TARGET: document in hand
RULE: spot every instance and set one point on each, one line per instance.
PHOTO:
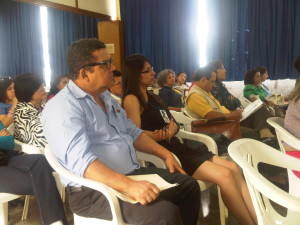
(251, 108)
(153, 178)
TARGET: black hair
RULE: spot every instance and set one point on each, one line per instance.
(54, 90)
(202, 72)
(26, 85)
(5, 82)
(131, 73)
(249, 76)
(80, 53)
(261, 69)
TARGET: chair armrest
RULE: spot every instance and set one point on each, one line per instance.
(104, 189)
(29, 149)
(208, 141)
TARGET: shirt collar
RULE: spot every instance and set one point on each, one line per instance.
(76, 91)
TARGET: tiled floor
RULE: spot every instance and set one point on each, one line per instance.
(209, 198)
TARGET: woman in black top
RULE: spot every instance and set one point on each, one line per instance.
(148, 113)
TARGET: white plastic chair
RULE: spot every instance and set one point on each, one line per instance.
(211, 145)
(248, 153)
(4, 199)
(181, 118)
(105, 190)
(30, 149)
(284, 136)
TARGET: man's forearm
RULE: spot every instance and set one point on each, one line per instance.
(98, 171)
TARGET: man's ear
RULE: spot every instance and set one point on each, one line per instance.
(82, 74)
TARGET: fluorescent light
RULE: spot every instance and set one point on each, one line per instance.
(46, 57)
(202, 32)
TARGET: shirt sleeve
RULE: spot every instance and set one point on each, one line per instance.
(198, 104)
(65, 129)
(249, 91)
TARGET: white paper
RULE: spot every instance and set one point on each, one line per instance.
(153, 178)
(251, 108)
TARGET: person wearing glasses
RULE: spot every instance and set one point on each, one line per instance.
(89, 133)
(172, 98)
(116, 86)
(8, 100)
(30, 92)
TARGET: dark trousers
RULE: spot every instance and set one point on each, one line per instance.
(258, 120)
(175, 206)
(32, 175)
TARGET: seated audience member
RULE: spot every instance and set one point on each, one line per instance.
(292, 118)
(200, 103)
(23, 174)
(58, 84)
(31, 94)
(172, 98)
(8, 100)
(90, 135)
(253, 89)
(150, 114)
(180, 83)
(263, 76)
(116, 86)
(219, 91)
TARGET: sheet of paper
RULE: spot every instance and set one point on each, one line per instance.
(251, 108)
(153, 178)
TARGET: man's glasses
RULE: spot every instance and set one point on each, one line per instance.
(148, 70)
(106, 63)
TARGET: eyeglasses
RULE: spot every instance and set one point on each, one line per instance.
(106, 63)
(148, 70)
(5, 78)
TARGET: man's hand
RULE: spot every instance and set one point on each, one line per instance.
(173, 165)
(143, 191)
(237, 112)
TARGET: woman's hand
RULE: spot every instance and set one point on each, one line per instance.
(161, 134)
(172, 128)
(4, 132)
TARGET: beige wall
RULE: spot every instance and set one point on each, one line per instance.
(106, 7)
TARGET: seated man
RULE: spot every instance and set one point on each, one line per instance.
(89, 133)
(116, 86)
(200, 103)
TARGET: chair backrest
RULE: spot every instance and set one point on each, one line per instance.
(248, 153)
(181, 118)
(105, 190)
(282, 134)
(29, 149)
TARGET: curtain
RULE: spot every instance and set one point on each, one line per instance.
(20, 39)
(228, 35)
(163, 31)
(272, 36)
(63, 29)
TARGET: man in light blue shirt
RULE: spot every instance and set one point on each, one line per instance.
(91, 136)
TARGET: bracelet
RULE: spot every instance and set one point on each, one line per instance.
(10, 113)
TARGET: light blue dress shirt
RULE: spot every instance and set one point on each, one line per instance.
(79, 131)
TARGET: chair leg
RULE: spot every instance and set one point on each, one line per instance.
(222, 208)
(26, 206)
(4, 213)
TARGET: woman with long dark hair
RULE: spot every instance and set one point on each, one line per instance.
(148, 113)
